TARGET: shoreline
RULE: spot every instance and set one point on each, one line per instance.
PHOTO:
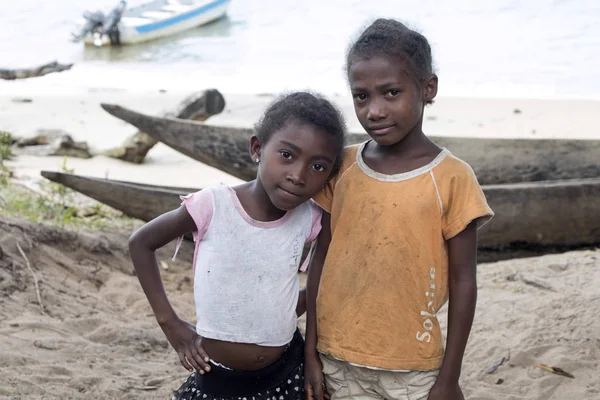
(81, 116)
(448, 116)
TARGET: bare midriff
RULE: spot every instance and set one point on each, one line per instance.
(242, 356)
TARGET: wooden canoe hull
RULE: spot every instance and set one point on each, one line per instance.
(221, 148)
(137, 200)
(528, 215)
(550, 213)
(494, 161)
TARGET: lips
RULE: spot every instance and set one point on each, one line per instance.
(288, 193)
(381, 129)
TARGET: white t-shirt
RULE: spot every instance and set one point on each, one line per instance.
(246, 271)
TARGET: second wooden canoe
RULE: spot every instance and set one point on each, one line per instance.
(541, 215)
(137, 200)
(495, 161)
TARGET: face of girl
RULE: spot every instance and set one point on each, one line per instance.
(295, 163)
(387, 100)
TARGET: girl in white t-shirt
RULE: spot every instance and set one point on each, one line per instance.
(249, 241)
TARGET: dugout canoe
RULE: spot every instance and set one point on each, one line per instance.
(495, 161)
(564, 213)
(539, 216)
(137, 200)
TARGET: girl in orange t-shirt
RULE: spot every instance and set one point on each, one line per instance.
(399, 238)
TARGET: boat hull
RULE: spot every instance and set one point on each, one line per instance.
(134, 30)
(534, 215)
(141, 201)
(495, 161)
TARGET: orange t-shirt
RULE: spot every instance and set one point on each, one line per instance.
(386, 272)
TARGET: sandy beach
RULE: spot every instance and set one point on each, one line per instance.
(98, 338)
(94, 335)
(74, 322)
(81, 116)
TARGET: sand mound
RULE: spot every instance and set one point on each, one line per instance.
(98, 339)
(537, 310)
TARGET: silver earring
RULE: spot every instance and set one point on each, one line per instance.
(257, 159)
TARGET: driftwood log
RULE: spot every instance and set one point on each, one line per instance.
(52, 142)
(196, 107)
(54, 66)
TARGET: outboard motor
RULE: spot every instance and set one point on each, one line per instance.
(93, 21)
(99, 25)
(111, 22)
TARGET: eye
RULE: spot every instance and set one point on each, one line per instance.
(360, 97)
(319, 167)
(393, 92)
(286, 154)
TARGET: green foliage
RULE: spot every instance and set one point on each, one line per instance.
(60, 199)
(57, 206)
(5, 154)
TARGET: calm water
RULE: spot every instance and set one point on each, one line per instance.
(496, 48)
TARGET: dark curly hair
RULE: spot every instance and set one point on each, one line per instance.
(392, 38)
(306, 108)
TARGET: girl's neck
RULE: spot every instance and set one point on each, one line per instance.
(414, 151)
(413, 144)
(256, 202)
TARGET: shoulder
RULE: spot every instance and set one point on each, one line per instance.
(349, 155)
(325, 197)
(202, 195)
(352, 149)
(452, 167)
(213, 192)
(309, 208)
(462, 197)
(200, 202)
(348, 160)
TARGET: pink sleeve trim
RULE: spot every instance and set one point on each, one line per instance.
(306, 262)
(200, 207)
(316, 214)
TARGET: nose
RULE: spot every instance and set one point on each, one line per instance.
(297, 174)
(376, 110)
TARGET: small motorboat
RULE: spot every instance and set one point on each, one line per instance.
(147, 21)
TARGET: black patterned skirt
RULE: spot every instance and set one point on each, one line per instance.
(282, 380)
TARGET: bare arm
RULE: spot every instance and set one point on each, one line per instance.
(313, 368)
(301, 305)
(462, 251)
(312, 284)
(142, 245)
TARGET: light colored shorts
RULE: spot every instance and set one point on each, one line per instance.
(347, 381)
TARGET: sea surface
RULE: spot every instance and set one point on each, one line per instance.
(492, 49)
